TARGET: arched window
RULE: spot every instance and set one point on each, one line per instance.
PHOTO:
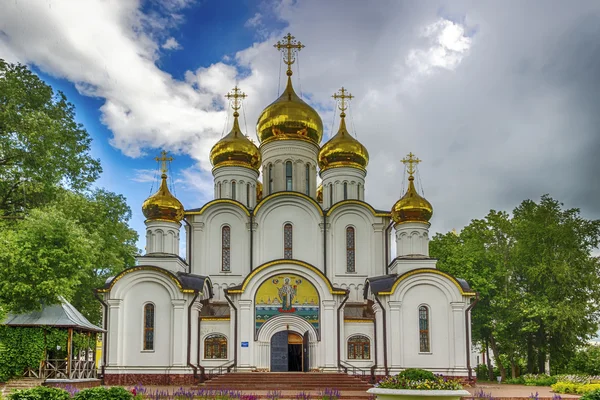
(288, 175)
(287, 241)
(330, 195)
(226, 249)
(350, 250)
(345, 190)
(149, 326)
(424, 329)
(219, 190)
(233, 190)
(270, 178)
(307, 178)
(359, 348)
(215, 347)
(248, 194)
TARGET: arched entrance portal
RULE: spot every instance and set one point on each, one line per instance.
(289, 352)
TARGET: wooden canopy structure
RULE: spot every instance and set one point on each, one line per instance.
(62, 316)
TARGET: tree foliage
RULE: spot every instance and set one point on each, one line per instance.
(537, 278)
(72, 237)
(41, 144)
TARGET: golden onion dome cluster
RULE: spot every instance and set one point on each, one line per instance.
(320, 193)
(412, 207)
(343, 150)
(289, 117)
(162, 205)
(235, 149)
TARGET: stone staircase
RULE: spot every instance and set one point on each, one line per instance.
(18, 384)
(290, 384)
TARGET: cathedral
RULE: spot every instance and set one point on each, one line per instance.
(282, 273)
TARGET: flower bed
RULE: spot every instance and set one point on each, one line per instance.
(417, 384)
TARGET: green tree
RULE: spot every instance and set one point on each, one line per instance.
(104, 216)
(537, 279)
(41, 145)
(42, 257)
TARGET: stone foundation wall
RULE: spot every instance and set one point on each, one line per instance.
(79, 385)
(149, 379)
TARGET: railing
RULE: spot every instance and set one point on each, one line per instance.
(59, 369)
(350, 369)
(218, 370)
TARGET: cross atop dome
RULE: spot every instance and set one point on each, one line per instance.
(289, 47)
(163, 161)
(411, 162)
(342, 96)
(236, 95)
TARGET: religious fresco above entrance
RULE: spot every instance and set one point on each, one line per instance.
(286, 294)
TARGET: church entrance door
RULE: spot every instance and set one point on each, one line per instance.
(287, 352)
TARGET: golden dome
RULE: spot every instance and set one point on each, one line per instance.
(320, 193)
(162, 205)
(412, 207)
(259, 191)
(343, 150)
(289, 117)
(235, 149)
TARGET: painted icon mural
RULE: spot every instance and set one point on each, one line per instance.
(286, 294)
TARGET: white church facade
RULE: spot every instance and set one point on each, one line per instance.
(285, 274)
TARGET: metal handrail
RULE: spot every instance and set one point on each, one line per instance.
(218, 370)
(361, 371)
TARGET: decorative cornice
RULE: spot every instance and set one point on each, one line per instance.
(426, 271)
(359, 320)
(360, 203)
(219, 201)
(146, 268)
(332, 290)
(290, 194)
(215, 318)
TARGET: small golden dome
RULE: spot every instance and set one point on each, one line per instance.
(320, 193)
(162, 205)
(412, 207)
(235, 149)
(343, 150)
(289, 117)
(259, 191)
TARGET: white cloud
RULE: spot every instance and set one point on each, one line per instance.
(171, 44)
(145, 175)
(496, 117)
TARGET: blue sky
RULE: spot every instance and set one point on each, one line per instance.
(500, 103)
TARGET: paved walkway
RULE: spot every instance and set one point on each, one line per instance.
(513, 391)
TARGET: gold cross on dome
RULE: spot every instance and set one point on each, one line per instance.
(289, 47)
(411, 161)
(236, 95)
(163, 160)
(342, 96)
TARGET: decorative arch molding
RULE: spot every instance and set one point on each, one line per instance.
(272, 267)
(212, 203)
(415, 277)
(124, 285)
(288, 194)
(151, 272)
(359, 203)
(284, 323)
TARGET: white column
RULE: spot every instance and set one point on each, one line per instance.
(395, 334)
(246, 334)
(195, 339)
(178, 336)
(328, 334)
(458, 359)
(114, 334)
(380, 345)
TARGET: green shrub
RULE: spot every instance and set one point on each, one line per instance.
(101, 393)
(516, 381)
(565, 387)
(416, 374)
(40, 393)
(539, 380)
(593, 395)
